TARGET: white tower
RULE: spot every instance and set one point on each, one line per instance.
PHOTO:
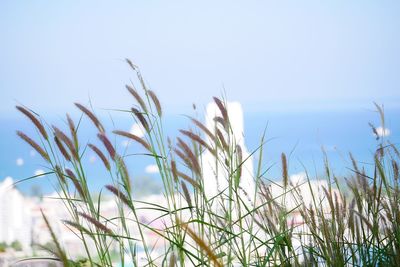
(215, 174)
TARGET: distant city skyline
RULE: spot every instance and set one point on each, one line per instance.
(270, 56)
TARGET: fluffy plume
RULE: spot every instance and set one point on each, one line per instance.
(107, 144)
(285, 175)
(124, 173)
(188, 179)
(134, 137)
(91, 116)
(141, 118)
(223, 110)
(189, 153)
(222, 140)
(138, 98)
(62, 149)
(100, 155)
(190, 162)
(174, 170)
(239, 158)
(221, 121)
(72, 129)
(203, 128)
(64, 138)
(76, 183)
(186, 193)
(96, 223)
(119, 194)
(198, 140)
(34, 145)
(34, 120)
(155, 101)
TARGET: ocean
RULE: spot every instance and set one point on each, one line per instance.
(300, 135)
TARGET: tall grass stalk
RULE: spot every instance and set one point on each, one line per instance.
(281, 223)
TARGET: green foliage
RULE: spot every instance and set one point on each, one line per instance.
(3, 247)
(16, 245)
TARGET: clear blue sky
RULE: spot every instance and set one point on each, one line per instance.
(270, 55)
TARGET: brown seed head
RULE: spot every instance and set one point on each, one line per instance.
(138, 98)
(188, 179)
(284, 170)
(221, 121)
(64, 138)
(96, 223)
(198, 140)
(239, 158)
(186, 193)
(174, 170)
(100, 155)
(91, 116)
(76, 183)
(34, 120)
(188, 161)
(223, 110)
(72, 129)
(141, 118)
(222, 140)
(203, 128)
(34, 145)
(134, 137)
(107, 144)
(62, 149)
(124, 173)
(119, 194)
(156, 102)
(189, 153)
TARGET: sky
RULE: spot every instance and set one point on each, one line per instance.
(311, 70)
(272, 56)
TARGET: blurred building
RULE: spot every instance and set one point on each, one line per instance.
(15, 215)
(215, 173)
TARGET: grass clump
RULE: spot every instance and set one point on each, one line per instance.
(291, 224)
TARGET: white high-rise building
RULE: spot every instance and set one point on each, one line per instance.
(15, 217)
(216, 175)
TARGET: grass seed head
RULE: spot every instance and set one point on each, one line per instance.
(34, 145)
(141, 118)
(137, 96)
(186, 193)
(136, 138)
(92, 117)
(156, 102)
(62, 149)
(107, 144)
(100, 155)
(285, 175)
(34, 120)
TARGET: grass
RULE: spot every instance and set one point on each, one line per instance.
(353, 223)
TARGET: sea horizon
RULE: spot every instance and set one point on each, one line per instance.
(303, 136)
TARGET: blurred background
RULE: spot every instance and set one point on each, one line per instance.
(309, 71)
